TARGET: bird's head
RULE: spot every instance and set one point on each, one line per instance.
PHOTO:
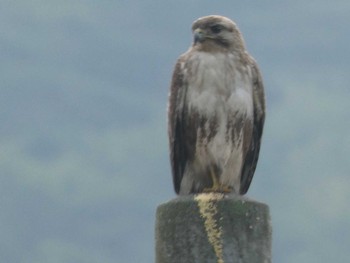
(217, 32)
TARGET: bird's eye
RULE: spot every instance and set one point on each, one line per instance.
(216, 29)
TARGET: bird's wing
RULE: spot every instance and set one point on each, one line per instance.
(180, 139)
(252, 154)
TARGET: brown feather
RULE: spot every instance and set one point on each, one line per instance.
(252, 155)
(216, 111)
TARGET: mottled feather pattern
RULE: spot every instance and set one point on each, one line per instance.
(178, 154)
(216, 112)
(259, 119)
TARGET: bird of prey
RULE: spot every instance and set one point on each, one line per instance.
(216, 111)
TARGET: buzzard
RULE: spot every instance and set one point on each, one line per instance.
(216, 111)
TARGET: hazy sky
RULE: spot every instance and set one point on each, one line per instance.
(84, 157)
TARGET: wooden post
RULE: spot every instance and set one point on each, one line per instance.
(213, 227)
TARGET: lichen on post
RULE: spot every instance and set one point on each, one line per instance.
(213, 227)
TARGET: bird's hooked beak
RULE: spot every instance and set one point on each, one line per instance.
(199, 35)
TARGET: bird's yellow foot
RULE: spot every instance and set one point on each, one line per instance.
(217, 187)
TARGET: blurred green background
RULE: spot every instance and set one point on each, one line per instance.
(83, 144)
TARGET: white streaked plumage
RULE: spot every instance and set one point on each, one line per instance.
(216, 111)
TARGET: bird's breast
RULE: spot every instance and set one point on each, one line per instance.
(218, 84)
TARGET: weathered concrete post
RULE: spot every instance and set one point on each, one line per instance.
(212, 228)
